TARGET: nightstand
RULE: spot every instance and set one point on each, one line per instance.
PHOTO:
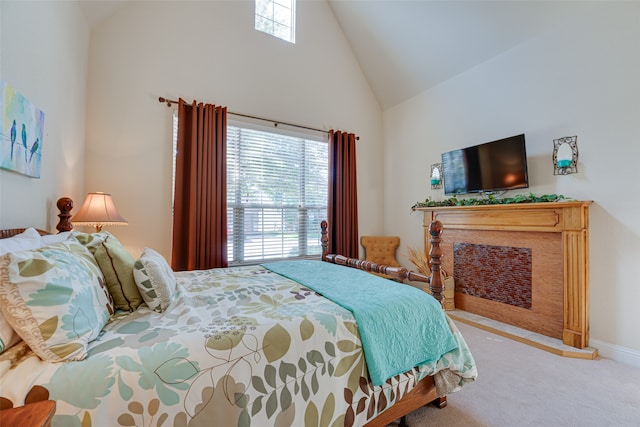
(37, 414)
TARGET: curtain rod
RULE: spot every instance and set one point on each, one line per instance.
(275, 122)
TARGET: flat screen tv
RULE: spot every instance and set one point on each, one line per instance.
(493, 166)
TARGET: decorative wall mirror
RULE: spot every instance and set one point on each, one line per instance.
(565, 155)
(436, 176)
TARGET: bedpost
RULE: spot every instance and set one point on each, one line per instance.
(65, 204)
(324, 239)
(435, 284)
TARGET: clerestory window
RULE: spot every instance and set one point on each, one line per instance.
(277, 17)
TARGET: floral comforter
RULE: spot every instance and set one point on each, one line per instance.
(239, 346)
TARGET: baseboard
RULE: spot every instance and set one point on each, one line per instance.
(618, 353)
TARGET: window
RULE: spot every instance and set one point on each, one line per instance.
(277, 17)
(276, 195)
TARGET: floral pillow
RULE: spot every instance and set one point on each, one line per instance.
(54, 298)
(28, 239)
(155, 280)
(8, 337)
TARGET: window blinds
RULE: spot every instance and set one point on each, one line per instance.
(276, 195)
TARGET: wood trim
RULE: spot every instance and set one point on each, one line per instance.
(10, 232)
(422, 394)
(569, 219)
(576, 291)
(37, 414)
(545, 314)
(546, 217)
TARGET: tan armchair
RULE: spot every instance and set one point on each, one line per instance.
(381, 250)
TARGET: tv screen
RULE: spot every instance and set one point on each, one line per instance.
(493, 166)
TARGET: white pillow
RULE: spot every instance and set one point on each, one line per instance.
(25, 241)
(49, 239)
(154, 279)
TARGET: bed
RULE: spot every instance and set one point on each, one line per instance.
(235, 346)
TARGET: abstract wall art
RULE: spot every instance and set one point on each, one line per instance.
(21, 130)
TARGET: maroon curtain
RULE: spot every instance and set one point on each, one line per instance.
(200, 198)
(343, 195)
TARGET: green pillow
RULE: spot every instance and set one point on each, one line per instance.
(54, 298)
(117, 267)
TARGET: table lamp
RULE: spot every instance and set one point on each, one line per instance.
(98, 210)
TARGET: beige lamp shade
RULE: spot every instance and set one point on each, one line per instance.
(98, 210)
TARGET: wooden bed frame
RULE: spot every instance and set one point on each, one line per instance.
(10, 232)
(425, 391)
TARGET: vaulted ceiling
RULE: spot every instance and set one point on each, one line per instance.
(408, 46)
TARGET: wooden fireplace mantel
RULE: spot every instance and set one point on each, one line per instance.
(523, 223)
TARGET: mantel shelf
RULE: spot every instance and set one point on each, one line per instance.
(546, 217)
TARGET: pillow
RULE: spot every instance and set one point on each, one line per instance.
(28, 239)
(54, 298)
(116, 265)
(155, 280)
(49, 239)
(8, 337)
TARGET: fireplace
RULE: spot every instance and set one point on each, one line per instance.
(525, 265)
(496, 273)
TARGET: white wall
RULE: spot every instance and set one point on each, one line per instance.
(209, 51)
(43, 55)
(580, 79)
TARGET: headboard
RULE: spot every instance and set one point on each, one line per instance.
(10, 232)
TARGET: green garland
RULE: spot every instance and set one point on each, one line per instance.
(489, 200)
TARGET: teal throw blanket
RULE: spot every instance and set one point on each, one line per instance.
(400, 326)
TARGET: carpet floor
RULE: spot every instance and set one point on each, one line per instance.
(520, 385)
